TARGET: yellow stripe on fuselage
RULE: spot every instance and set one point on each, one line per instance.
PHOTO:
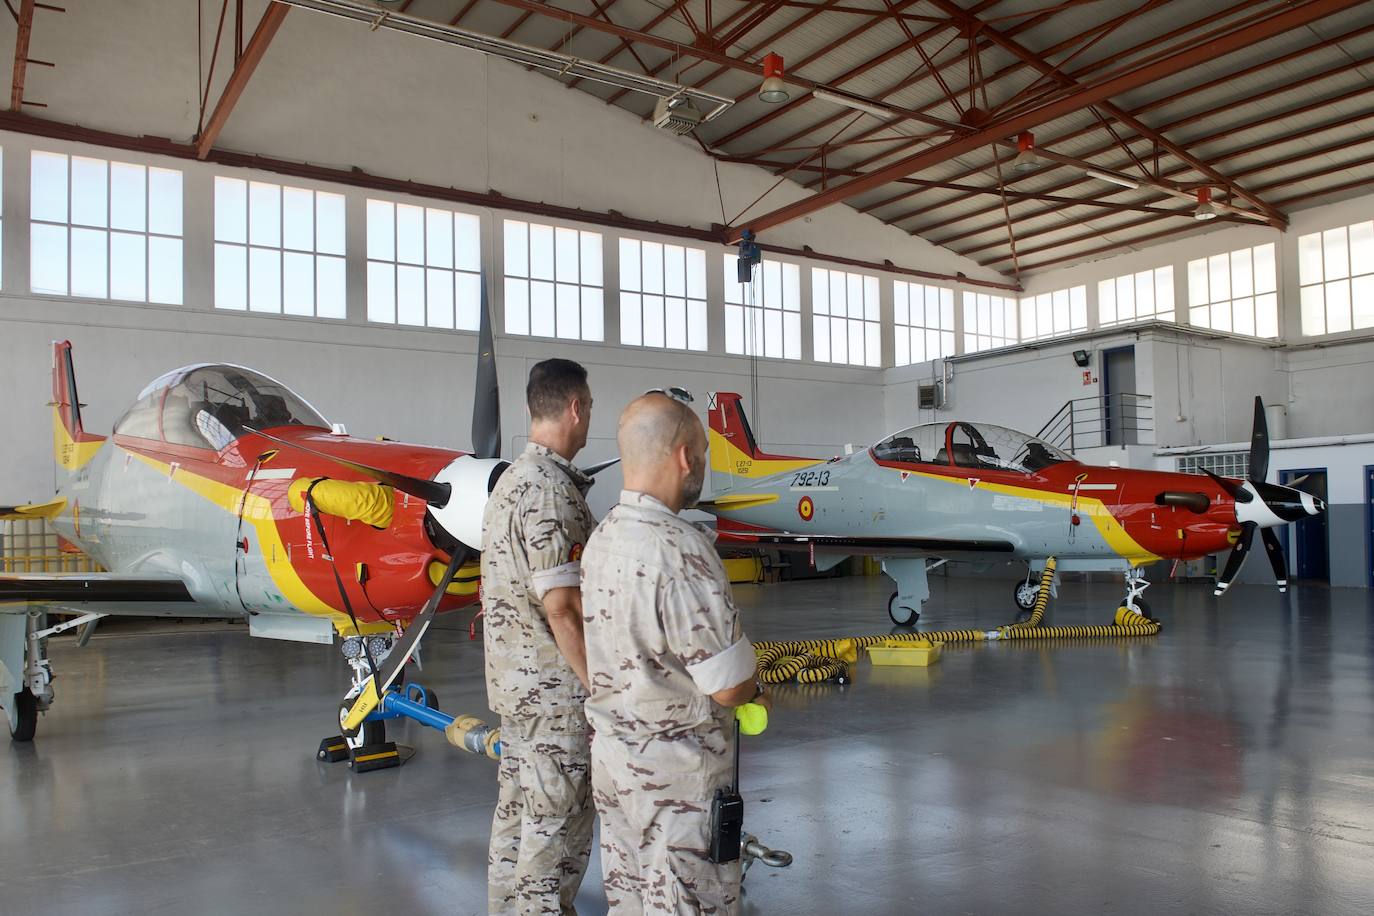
(728, 459)
(257, 511)
(1111, 530)
(70, 454)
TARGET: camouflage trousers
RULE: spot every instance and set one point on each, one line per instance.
(541, 835)
(655, 837)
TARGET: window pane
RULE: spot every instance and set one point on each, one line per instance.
(164, 201)
(772, 333)
(653, 321)
(298, 282)
(675, 274)
(1243, 316)
(1313, 310)
(901, 345)
(264, 280)
(591, 260)
(820, 291)
(675, 323)
(231, 277)
(1362, 301)
(772, 285)
(467, 301)
(541, 308)
(629, 265)
(89, 192)
(1078, 308)
(839, 294)
(439, 241)
(593, 313)
(1310, 258)
(90, 269)
(439, 298)
(567, 258)
(696, 274)
(651, 257)
(899, 302)
(1164, 293)
(128, 266)
(1362, 248)
(839, 341)
(734, 329)
(1106, 301)
(467, 242)
(1242, 274)
(1267, 315)
(696, 323)
(517, 258)
(1335, 256)
(1219, 277)
(516, 300)
(1266, 271)
(381, 232)
(631, 333)
(381, 290)
(298, 225)
(128, 197)
(820, 339)
(410, 295)
(541, 253)
(329, 227)
(264, 217)
(410, 234)
(165, 267)
(873, 350)
(331, 296)
(1337, 306)
(48, 258)
(48, 191)
(1221, 316)
(1197, 282)
(791, 296)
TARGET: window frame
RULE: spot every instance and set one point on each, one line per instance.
(1204, 273)
(946, 337)
(459, 277)
(634, 307)
(594, 306)
(789, 316)
(866, 331)
(1159, 280)
(976, 338)
(1355, 283)
(1069, 303)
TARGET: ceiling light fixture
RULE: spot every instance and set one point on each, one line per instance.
(1026, 158)
(773, 90)
(379, 16)
(1121, 180)
(858, 103)
(1205, 208)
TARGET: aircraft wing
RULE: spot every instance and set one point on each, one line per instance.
(862, 545)
(80, 589)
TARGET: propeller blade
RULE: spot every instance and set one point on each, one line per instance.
(1276, 558)
(1234, 490)
(486, 396)
(592, 470)
(1259, 444)
(432, 492)
(1297, 482)
(1237, 558)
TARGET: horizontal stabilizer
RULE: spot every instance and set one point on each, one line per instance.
(48, 510)
(952, 548)
(732, 501)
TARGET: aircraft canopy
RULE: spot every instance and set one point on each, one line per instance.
(209, 406)
(967, 445)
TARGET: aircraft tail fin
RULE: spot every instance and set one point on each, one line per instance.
(73, 447)
(735, 454)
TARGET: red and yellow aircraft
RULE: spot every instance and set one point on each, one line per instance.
(221, 493)
(978, 492)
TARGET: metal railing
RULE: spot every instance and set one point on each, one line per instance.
(1115, 419)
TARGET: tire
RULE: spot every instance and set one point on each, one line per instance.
(1024, 594)
(26, 714)
(1143, 606)
(431, 699)
(370, 732)
(894, 613)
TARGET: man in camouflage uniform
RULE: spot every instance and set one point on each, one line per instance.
(668, 661)
(534, 528)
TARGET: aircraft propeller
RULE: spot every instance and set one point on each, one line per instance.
(1262, 506)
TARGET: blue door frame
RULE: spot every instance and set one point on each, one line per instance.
(1303, 528)
(1369, 524)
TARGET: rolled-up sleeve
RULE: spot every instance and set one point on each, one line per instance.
(553, 538)
(725, 669)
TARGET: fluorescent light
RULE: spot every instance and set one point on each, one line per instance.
(877, 109)
(1113, 179)
(378, 16)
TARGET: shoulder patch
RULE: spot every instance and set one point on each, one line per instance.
(575, 554)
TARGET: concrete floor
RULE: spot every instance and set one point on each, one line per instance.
(1226, 766)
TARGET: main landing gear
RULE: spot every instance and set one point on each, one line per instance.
(366, 747)
(24, 649)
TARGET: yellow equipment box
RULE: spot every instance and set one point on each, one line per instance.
(918, 653)
(744, 569)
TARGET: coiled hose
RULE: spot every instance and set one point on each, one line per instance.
(814, 660)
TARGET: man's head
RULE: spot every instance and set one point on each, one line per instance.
(662, 450)
(560, 405)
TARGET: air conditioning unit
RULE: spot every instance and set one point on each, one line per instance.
(677, 115)
(930, 396)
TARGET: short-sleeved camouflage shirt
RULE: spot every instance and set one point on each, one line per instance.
(534, 528)
(662, 635)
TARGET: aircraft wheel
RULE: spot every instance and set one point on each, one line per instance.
(902, 616)
(26, 716)
(1025, 594)
(431, 699)
(371, 732)
(1144, 608)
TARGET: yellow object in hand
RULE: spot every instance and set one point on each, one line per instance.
(753, 718)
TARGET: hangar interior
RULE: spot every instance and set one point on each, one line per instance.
(1109, 224)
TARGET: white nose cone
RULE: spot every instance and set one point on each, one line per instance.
(471, 480)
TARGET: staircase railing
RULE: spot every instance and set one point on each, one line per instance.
(1116, 419)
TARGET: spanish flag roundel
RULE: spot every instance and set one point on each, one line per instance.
(806, 508)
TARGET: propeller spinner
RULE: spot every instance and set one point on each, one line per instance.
(1262, 507)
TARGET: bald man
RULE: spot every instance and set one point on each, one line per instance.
(668, 662)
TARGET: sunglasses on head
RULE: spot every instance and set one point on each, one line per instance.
(681, 395)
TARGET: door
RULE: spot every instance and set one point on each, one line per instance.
(1309, 558)
(1369, 524)
(1119, 424)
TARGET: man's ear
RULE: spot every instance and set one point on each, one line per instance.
(682, 454)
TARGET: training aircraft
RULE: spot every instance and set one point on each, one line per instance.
(977, 492)
(221, 493)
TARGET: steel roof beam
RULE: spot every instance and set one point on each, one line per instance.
(267, 28)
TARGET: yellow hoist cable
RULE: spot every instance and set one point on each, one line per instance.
(813, 660)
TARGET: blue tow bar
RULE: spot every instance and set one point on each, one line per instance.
(467, 732)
